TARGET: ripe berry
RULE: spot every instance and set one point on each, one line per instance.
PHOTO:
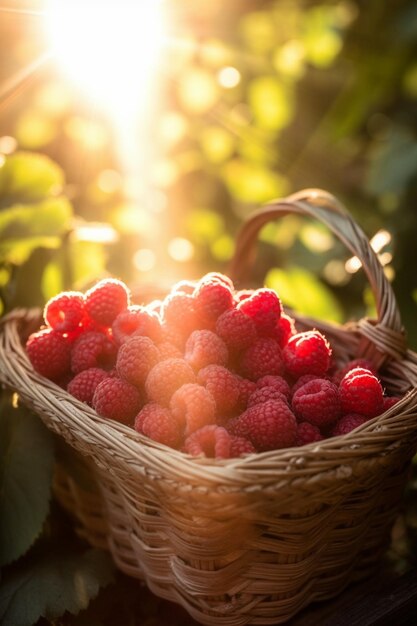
(134, 321)
(262, 358)
(204, 348)
(212, 441)
(49, 353)
(237, 329)
(347, 423)
(266, 393)
(135, 359)
(193, 407)
(65, 311)
(307, 353)
(212, 298)
(307, 433)
(165, 378)
(317, 402)
(388, 402)
(223, 386)
(363, 363)
(361, 392)
(179, 310)
(264, 307)
(92, 349)
(84, 384)
(269, 426)
(117, 399)
(240, 446)
(278, 382)
(106, 300)
(284, 329)
(157, 423)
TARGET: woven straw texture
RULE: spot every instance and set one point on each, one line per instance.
(255, 539)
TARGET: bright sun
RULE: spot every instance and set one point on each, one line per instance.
(108, 47)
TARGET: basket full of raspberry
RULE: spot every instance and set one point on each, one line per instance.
(242, 460)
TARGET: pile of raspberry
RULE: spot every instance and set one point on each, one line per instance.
(209, 370)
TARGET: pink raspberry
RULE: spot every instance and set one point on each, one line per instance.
(278, 382)
(157, 423)
(213, 277)
(184, 286)
(135, 359)
(117, 399)
(262, 358)
(223, 386)
(284, 329)
(136, 321)
(388, 402)
(307, 433)
(264, 394)
(347, 423)
(361, 392)
(168, 350)
(92, 350)
(302, 381)
(65, 311)
(265, 308)
(317, 402)
(212, 441)
(240, 446)
(205, 348)
(49, 353)
(165, 378)
(237, 329)
(246, 389)
(212, 298)
(363, 363)
(307, 353)
(84, 384)
(106, 300)
(193, 407)
(269, 426)
(179, 310)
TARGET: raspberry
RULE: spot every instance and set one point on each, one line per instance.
(237, 329)
(168, 350)
(205, 348)
(136, 358)
(92, 350)
(261, 359)
(166, 377)
(317, 402)
(277, 382)
(212, 441)
(284, 329)
(193, 407)
(117, 399)
(179, 310)
(157, 423)
(65, 311)
(265, 308)
(49, 353)
(302, 381)
(184, 286)
(361, 392)
(388, 402)
(106, 300)
(217, 277)
(243, 294)
(364, 363)
(347, 423)
(212, 298)
(307, 353)
(240, 446)
(173, 335)
(136, 320)
(246, 389)
(307, 433)
(84, 384)
(223, 386)
(266, 393)
(269, 426)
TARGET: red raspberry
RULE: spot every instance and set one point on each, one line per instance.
(179, 311)
(269, 426)
(240, 446)
(184, 286)
(212, 298)
(307, 433)
(347, 423)
(317, 402)
(307, 353)
(243, 294)
(157, 423)
(237, 329)
(168, 350)
(205, 348)
(134, 321)
(388, 402)
(84, 384)
(212, 441)
(217, 277)
(284, 329)
(302, 381)
(265, 308)
(361, 392)
(264, 394)
(246, 389)
(193, 407)
(65, 311)
(136, 358)
(166, 377)
(277, 382)
(262, 358)
(363, 363)
(117, 399)
(106, 300)
(92, 350)
(49, 353)
(223, 386)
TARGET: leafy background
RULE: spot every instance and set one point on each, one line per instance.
(325, 97)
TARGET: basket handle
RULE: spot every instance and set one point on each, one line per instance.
(380, 338)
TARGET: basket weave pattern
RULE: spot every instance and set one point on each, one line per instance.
(249, 540)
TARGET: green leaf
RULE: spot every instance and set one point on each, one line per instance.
(26, 463)
(305, 293)
(50, 584)
(29, 177)
(270, 102)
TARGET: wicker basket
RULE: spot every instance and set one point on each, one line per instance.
(255, 539)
